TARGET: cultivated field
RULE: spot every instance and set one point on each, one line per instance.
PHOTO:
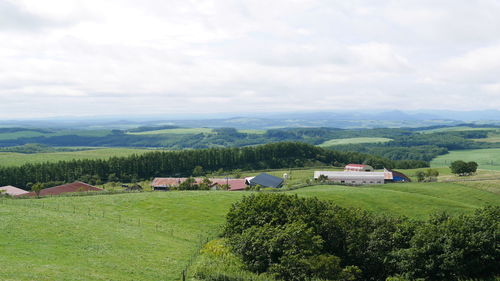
(29, 134)
(354, 141)
(488, 159)
(183, 131)
(17, 159)
(154, 235)
(457, 129)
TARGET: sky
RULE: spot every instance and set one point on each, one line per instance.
(154, 57)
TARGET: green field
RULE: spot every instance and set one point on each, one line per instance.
(493, 137)
(457, 129)
(153, 235)
(488, 159)
(354, 141)
(17, 159)
(178, 131)
(31, 134)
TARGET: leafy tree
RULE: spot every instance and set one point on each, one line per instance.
(198, 171)
(37, 187)
(462, 168)
(188, 184)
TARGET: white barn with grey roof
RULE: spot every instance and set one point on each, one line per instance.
(353, 178)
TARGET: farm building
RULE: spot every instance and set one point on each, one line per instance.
(265, 180)
(167, 183)
(355, 178)
(399, 177)
(358, 168)
(65, 188)
(12, 190)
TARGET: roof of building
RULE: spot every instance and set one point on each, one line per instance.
(266, 180)
(350, 175)
(234, 184)
(76, 186)
(166, 182)
(357, 165)
(12, 190)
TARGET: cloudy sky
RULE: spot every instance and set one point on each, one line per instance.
(129, 57)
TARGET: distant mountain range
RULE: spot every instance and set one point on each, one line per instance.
(337, 119)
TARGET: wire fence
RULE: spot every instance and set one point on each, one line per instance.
(101, 214)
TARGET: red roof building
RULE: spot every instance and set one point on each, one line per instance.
(65, 188)
(358, 168)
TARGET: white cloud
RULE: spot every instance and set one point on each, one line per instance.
(178, 56)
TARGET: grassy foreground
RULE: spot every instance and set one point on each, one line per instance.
(154, 235)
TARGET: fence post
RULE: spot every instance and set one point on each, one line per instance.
(184, 275)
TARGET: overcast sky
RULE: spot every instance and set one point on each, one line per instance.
(119, 57)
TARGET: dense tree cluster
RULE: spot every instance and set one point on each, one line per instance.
(299, 239)
(463, 168)
(184, 163)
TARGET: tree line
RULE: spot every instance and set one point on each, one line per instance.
(183, 163)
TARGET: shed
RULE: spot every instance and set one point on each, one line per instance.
(12, 190)
(266, 180)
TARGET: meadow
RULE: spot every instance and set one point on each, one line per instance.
(155, 235)
(184, 131)
(354, 141)
(456, 129)
(488, 159)
(18, 159)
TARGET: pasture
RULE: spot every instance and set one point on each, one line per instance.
(154, 235)
(456, 129)
(354, 141)
(488, 159)
(18, 159)
(177, 131)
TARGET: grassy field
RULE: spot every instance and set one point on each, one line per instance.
(354, 141)
(488, 159)
(415, 200)
(30, 134)
(183, 131)
(153, 235)
(457, 129)
(17, 159)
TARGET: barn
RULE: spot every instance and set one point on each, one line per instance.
(354, 178)
(265, 180)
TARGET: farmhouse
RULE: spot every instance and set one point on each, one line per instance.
(354, 178)
(65, 188)
(265, 180)
(12, 190)
(358, 168)
(167, 183)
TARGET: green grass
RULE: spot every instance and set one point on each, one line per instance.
(183, 131)
(457, 129)
(488, 159)
(415, 200)
(17, 159)
(154, 235)
(249, 131)
(31, 134)
(354, 141)
(53, 243)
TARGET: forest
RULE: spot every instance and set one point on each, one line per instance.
(182, 163)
